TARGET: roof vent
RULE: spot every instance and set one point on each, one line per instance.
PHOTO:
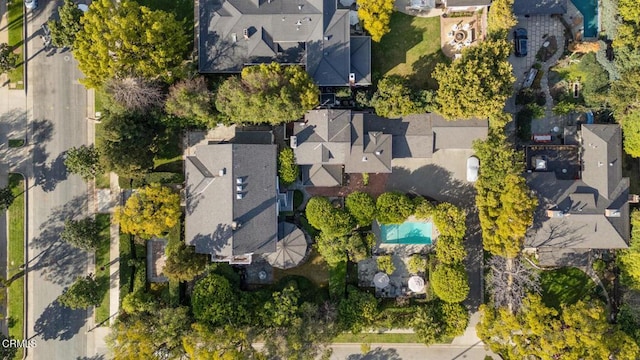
(239, 188)
(326, 38)
(378, 152)
(600, 163)
(612, 212)
(300, 7)
(240, 196)
(245, 33)
(239, 180)
(222, 171)
(294, 142)
(235, 225)
(299, 22)
(364, 158)
(234, 37)
(611, 164)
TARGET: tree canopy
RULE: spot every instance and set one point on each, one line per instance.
(267, 93)
(190, 99)
(214, 301)
(477, 85)
(450, 250)
(629, 259)
(450, 283)
(385, 264)
(578, 331)
(129, 142)
(64, 31)
(362, 207)
(82, 294)
(331, 221)
(624, 97)
(82, 234)
(183, 264)
(501, 18)
(6, 198)
(135, 93)
(150, 211)
(376, 16)
(8, 59)
(393, 98)
(357, 311)
(84, 161)
(393, 208)
(628, 33)
(128, 39)
(450, 220)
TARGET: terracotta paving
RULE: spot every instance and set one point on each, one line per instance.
(376, 186)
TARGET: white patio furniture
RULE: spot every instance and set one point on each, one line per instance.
(450, 34)
(455, 27)
(467, 42)
(452, 42)
(466, 27)
(459, 46)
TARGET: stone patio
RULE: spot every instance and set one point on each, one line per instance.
(447, 35)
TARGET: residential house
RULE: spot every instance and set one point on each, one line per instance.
(232, 200)
(539, 7)
(233, 34)
(583, 203)
(331, 142)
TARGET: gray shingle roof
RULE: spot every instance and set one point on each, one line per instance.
(235, 33)
(370, 150)
(322, 175)
(539, 7)
(582, 204)
(211, 210)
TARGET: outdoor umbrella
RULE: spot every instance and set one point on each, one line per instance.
(381, 280)
(416, 283)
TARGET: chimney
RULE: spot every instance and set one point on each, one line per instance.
(554, 213)
(245, 33)
(612, 212)
(294, 142)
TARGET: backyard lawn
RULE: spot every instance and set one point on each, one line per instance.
(314, 269)
(411, 49)
(566, 286)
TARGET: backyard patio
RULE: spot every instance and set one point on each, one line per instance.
(458, 33)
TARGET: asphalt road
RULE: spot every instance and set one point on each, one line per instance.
(409, 352)
(58, 105)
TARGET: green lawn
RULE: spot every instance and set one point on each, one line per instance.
(566, 286)
(411, 49)
(315, 269)
(16, 259)
(16, 41)
(15, 143)
(102, 267)
(338, 280)
(102, 180)
(375, 338)
(125, 270)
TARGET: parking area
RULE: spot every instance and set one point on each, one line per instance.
(539, 28)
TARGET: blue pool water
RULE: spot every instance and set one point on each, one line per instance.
(406, 233)
(589, 10)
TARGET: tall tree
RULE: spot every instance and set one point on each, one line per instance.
(393, 98)
(624, 96)
(331, 221)
(629, 259)
(183, 264)
(631, 132)
(450, 220)
(393, 208)
(284, 309)
(214, 301)
(190, 99)
(267, 93)
(135, 93)
(150, 211)
(501, 18)
(357, 311)
(127, 39)
(82, 234)
(84, 161)
(6, 198)
(362, 207)
(450, 283)
(82, 294)
(376, 15)
(510, 281)
(129, 142)
(478, 85)
(64, 31)
(8, 59)
(450, 250)
(219, 343)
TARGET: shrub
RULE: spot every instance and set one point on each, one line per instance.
(450, 220)
(450, 250)
(362, 207)
(423, 208)
(450, 283)
(287, 167)
(385, 264)
(416, 264)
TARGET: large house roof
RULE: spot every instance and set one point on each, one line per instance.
(539, 7)
(231, 203)
(589, 213)
(236, 33)
(366, 143)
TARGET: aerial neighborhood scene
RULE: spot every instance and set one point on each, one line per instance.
(320, 179)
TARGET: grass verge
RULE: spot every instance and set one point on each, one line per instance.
(102, 268)
(376, 338)
(125, 272)
(16, 41)
(338, 281)
(15, 143)
(411, 50)
(16, 259)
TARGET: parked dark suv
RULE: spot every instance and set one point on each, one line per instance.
(520, 38)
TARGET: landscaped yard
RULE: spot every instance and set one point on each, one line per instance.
(314, 269)
(182, 9)
(566, 286)
(102, 267)
(16, 41)
(368, 338)
(411, 49)
(16, 259)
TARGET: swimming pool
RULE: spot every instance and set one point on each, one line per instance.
(406, 233)
(589, 10)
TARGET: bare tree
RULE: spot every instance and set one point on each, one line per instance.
(135, 93)
(509, 282)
